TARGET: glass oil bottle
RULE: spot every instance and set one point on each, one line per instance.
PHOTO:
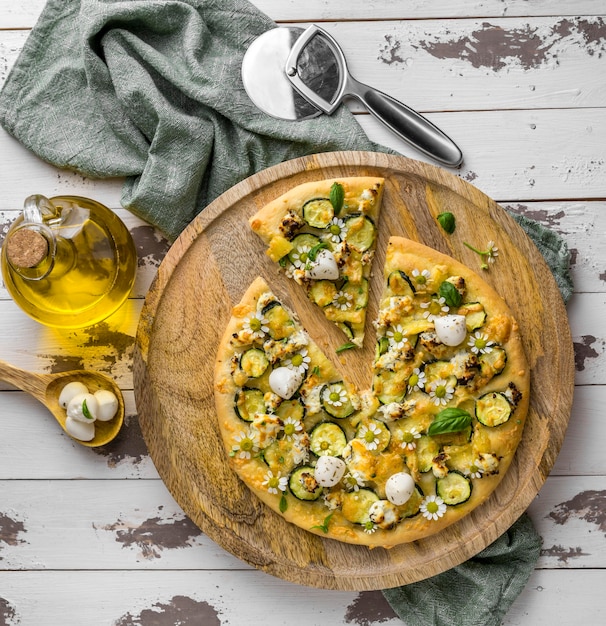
(68, 261)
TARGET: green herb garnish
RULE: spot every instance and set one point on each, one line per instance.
(316, 370)
(86, 412)
(337, 196)
(345, 346)
(313, 252)
(447, 222)
(450, 294)
(324, 525)
(283, 503)
(449, 420)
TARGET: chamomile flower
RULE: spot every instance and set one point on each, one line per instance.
(245, 445)
(416, 380)
(441, 391)
(342, 300)
(396, 336)
(369, 434)
(473, 471)
(299, 257)
(275, 484)
(299, 361)
(421, 278)
(336, 228)
(434, 308)
(369, 527)
(257, 325)
(433, 507)
(291, 427)
(335, 395)
(408, 439)
(479, 343)
(492, 252)
(354, 480)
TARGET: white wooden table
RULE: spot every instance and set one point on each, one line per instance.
(93, 537)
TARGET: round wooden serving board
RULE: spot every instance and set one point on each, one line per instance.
(188, 306)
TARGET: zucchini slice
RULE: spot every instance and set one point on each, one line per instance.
(301, 245)
(427, 449)
(356, 505)
(475, 315)
(358, 292)
(291, 408)
(254, 362)
(336, 401)
(281, 456)
(303, 485)
(360, 232)
(247, 402)
(327, 439)
(493, 409)
(318, 212)
(493, 363)
(400, 284)
(279, 321)
(412, 506)
(346, 328)
(374, 432)
(454, 488)
(322, 292)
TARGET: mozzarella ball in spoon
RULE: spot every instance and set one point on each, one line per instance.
(451, 329)
(399, 487)
(107, 405)
(329, 470)
(284, 381)
(324, 267)
(80, 430)
(83, 408)
(71, 390)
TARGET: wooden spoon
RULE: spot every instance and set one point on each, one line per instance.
(47, 387)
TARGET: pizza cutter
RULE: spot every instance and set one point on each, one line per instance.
(296, 74)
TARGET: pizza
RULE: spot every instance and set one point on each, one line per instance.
(323, 235)
(424, 446)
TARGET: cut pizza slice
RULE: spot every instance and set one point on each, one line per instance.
(323, 234)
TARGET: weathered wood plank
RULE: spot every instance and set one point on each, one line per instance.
(24, 13)
(153, 598)
(462, 64)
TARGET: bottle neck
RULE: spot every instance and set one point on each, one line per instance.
(30, 250)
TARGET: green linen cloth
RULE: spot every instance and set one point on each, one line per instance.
(150, 90)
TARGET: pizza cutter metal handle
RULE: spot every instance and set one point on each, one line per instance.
(306, 65)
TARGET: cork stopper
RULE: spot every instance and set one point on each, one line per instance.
(26, 248)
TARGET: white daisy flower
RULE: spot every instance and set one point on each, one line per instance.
(275, 484)
(421, 278)
(336, 228)
(335, 395)
(396, 336)
(473, 471)
(369, 434)
(408, 439)
(434, 308)
(291, 426)
(299, 361)
(354, 480)
(299, 257)
(433, 507)
(441, 391)
(416, 380)
(491, 252)
(479, 343)
(245, 446)
(257, 325)
(342, 300)
(369, 527)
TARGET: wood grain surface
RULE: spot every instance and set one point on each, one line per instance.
(187, 308)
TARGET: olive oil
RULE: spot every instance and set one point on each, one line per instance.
(68, 261)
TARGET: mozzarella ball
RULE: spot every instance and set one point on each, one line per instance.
(451, 329)
(285, 381)
(324, 267)
(71, 390)
(329, 471)
(107, 405)
(399, 487)
(79, 430)
(83, 408)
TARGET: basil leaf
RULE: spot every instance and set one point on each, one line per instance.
(324, 525)
(86, 412)
(283, 503)
(447, 222)
(337, 196)
(345, 346)
(313, 253)
(450, 294)
(449, 421)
